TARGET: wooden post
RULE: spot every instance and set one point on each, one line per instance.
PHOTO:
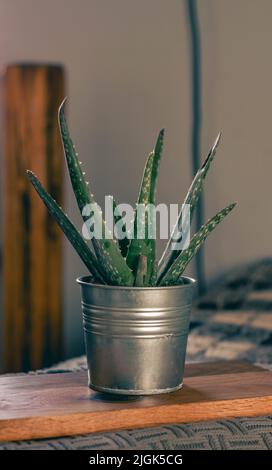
(32, 320)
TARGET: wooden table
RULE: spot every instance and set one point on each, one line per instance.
(51, 405)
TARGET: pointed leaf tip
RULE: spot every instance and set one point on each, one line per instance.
(217, 140)
(62, 105)
(205, 166)
(30, 174)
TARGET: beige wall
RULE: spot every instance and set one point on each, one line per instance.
(237, 37)
(128, 69)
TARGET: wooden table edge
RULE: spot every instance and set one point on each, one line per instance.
(40, 427)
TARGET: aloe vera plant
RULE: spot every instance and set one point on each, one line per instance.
(129, 261)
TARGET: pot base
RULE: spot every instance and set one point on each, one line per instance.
(121, 391)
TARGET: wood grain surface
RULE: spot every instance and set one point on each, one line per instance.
(32, 242)
(51, 405)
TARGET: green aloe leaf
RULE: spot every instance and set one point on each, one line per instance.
(107, 251)
(146, 246)
(169, 255)
(77, 176)
(153, 278)
(122, 242)
(68, 229)
(174, 273)
(141, 271)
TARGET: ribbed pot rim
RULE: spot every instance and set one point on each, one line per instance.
(85, 281)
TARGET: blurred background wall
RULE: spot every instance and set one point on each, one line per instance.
(128, 73)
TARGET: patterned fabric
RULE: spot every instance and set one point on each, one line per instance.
(232, 322)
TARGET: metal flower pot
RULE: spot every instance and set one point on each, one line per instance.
(136, 337)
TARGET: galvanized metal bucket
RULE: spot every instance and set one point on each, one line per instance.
(136, 337)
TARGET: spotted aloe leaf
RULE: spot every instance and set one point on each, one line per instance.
(68, 229)
(123, 240)
(141, 271)
(174, 273)
(169, 255)
(107, 251)
(153, 278)
(147, 245)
